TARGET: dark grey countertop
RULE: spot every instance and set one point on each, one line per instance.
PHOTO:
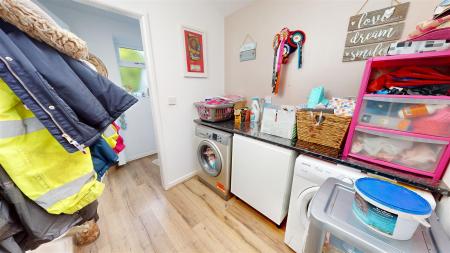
(330, 154)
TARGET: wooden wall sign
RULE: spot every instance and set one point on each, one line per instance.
(248, 52)
(384, 16)
(248, 49)
(370, 34)
(374, 35)
(364, 52)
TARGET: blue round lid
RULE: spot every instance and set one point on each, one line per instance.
(393, 196)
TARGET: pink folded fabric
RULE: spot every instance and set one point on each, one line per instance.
(430, 25)
(436, 124)
(437, 34)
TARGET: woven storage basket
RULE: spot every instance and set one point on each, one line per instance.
(322, 128)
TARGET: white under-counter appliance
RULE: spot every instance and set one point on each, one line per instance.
(214, 159)
(262, 176)
(309, 175)
(443, 206)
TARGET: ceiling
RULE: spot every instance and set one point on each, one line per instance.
(76, 6)
(225, 7)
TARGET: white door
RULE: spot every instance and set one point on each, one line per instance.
(137, 123)
(139, 133)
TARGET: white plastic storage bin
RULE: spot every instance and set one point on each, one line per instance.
(414, 114)
(404, 152)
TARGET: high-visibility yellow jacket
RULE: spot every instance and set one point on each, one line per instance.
(111, 135)
(42, 169)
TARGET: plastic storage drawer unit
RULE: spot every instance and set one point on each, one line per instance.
(418, 115)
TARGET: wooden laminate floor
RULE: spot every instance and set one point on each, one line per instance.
(138, 215)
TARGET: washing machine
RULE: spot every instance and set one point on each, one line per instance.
(214, 159)
(309, 174)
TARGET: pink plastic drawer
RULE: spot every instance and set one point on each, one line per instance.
(405, 152)
(414, 114)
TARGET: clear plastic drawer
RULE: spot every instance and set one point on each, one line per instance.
(398, 151)
(414, 114)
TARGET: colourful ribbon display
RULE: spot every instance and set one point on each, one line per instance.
(284, 44)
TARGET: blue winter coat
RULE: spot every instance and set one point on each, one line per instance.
(75, 103)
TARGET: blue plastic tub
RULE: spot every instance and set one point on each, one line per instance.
(389, 209)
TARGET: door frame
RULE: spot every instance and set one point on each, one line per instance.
(144, 21)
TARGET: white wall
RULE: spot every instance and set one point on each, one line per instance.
(325, 23)
(177, 127)
(101, 30)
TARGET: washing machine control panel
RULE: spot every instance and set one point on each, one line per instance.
(217, 137)
(317, 171)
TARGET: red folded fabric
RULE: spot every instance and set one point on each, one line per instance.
(409, 76)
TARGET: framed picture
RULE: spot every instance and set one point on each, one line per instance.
(194, 51)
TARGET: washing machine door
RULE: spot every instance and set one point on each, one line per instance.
(209, 158)
(304, 201)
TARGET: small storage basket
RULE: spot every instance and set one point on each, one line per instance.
(322, 128)
(215, 113)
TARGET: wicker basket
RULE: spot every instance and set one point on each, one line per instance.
(322, 128)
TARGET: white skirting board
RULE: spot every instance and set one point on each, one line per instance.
(180, 180)
(142, 155)
(123, 159)
(156, 162)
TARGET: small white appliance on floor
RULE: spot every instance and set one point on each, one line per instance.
(214, 159)
(309, 174)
